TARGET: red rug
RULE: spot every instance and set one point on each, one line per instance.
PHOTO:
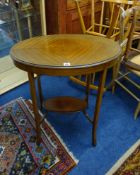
(19, 154)
(129, 163)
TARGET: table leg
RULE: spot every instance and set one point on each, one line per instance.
(98, 104)
(87, 88)
(35, 108)
(40, 91)
(116, 69)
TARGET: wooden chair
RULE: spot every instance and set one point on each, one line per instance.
(131, 60)
(106, 26)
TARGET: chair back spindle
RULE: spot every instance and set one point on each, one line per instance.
(107, 25)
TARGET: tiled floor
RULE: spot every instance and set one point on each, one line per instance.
(10, 76)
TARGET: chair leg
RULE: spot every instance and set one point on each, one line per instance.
(83, 83)
(137, 110)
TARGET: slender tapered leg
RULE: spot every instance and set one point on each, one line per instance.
(114, 77)
(35, 108)
(40, 91)
(98, 104)
(88, 80)
(116, 69)
(87, 88)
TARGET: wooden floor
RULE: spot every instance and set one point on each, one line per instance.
(10, 76)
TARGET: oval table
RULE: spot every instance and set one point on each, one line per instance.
(66, 55)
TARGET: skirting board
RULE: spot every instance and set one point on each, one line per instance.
(10, 76)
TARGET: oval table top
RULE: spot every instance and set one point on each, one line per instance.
(64, 51)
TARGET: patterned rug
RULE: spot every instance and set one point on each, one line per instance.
(129, 163)
(19, 154)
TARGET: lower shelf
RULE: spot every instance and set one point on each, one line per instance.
(65, 104)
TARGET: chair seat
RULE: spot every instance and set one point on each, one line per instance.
(136, 60)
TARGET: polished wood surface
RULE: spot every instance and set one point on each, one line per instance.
(65, 104)
(71, 3)
(62, 16)
(64, 55)
(65, 51)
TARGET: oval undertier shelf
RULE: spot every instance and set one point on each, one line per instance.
(65, 104)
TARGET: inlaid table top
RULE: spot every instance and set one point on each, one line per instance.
(65, 55)
(65, 51)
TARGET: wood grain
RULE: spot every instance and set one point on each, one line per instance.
(54, 51)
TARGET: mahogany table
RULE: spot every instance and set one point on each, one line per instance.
(66, 55)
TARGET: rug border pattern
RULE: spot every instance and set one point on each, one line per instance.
(123, 158)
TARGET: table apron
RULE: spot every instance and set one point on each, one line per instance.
(65, 71)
